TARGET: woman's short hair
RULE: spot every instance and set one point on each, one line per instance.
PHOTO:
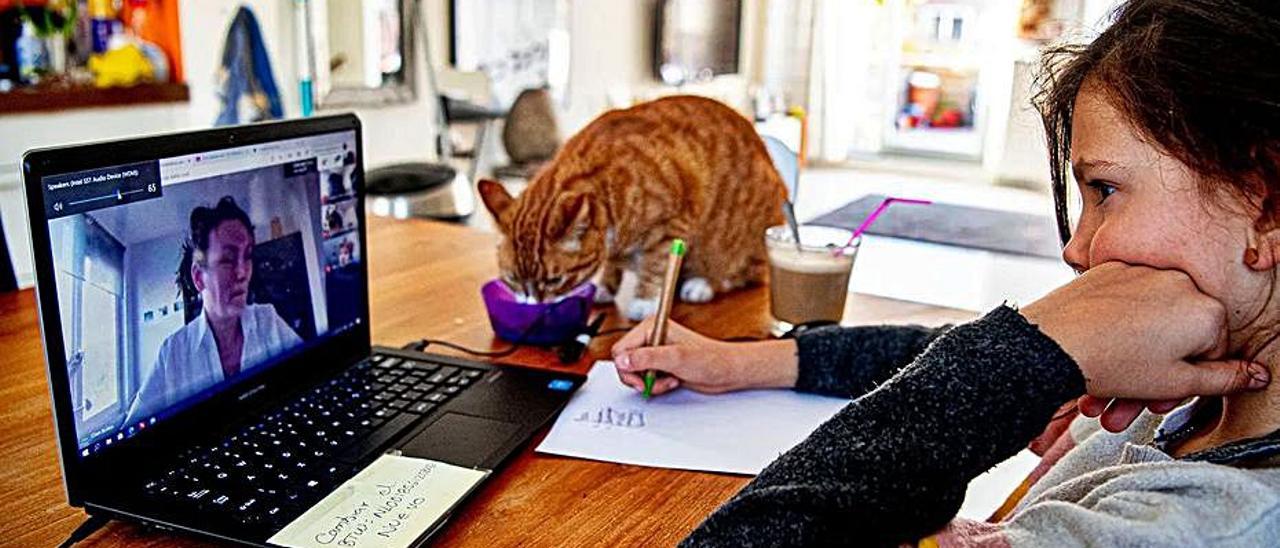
(205, 219)
(1199, 79)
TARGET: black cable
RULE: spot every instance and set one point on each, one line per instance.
(90, 525)
(422, 344)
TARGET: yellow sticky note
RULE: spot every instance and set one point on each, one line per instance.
(389, 504)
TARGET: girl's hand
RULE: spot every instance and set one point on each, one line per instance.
(1144, 338)
(703, 364)
(1117, 414)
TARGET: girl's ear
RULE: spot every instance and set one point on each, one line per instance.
(1262, 248)
(497, 200)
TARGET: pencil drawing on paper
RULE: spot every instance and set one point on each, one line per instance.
(609, 416)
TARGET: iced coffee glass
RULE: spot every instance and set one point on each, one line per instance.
(808, 284)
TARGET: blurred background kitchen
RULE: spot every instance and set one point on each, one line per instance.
(925, 98)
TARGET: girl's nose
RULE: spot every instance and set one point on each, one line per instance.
(1076, 254)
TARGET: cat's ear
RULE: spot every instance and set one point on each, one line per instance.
(575, 220)
(495, 198)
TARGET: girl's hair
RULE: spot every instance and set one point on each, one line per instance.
(1199, 79)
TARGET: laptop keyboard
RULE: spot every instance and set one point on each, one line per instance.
(271, 470)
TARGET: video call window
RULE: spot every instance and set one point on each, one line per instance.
(339, 217)
(194, 274)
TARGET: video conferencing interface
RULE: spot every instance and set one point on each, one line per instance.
(178, 277)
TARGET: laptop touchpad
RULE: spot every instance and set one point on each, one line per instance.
(459, 439)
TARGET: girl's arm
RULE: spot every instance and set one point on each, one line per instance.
(845, 362)
(893, 466)
(851, 361)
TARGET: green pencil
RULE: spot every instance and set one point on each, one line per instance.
(658, 336)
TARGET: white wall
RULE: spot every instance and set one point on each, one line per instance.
(349, 42)
(1095, 13)
(1019, 156)
(611, 65)
(149, 274)
(613, 31)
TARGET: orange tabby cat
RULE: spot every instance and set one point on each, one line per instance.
(629, 183)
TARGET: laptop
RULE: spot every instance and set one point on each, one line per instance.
(204, 308)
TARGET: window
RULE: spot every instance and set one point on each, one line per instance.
(90, 285)
(100, 306)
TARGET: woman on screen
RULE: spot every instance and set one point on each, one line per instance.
(229, 335)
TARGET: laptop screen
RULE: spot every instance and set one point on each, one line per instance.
(179, 277)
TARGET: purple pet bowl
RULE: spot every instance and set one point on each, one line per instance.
(542, 324)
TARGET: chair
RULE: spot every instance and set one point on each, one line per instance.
(464, 97)
(460, 112)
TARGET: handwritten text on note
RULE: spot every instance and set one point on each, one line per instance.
(388, 504)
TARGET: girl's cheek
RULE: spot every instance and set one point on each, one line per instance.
(1163, 245)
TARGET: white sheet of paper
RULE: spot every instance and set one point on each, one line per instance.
(739, 433)
(388, 504)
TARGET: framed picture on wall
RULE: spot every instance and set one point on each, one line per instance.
(518, 44)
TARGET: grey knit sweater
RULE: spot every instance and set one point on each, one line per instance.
(936, 407)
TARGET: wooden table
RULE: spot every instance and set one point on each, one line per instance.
(426, 277)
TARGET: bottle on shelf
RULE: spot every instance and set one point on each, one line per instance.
(32, 57)
(103, 23)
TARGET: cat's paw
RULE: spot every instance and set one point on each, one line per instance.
(603, 295)
(639, 309)
(696, 290)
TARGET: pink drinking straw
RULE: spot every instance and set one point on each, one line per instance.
(874, 214)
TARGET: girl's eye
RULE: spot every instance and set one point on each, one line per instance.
(1104, 190)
